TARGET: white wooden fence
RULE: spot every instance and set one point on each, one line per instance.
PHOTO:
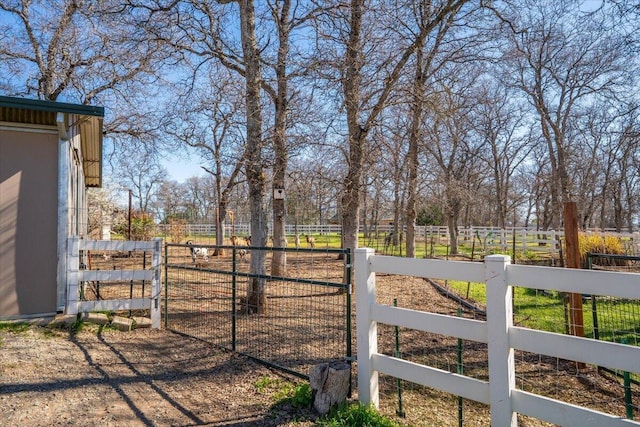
(76, 276)
(498, 332)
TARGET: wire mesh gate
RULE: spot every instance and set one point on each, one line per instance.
(308, 313)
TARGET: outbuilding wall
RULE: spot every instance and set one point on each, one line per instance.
(28, 222)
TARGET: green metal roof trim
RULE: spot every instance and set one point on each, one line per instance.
(51, 106)
(43, 113)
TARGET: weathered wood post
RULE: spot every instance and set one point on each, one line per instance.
(573, 261)
(572, 249)
(329, 384)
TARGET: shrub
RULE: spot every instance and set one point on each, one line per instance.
(177, 230)
(142, 226)
(600, 244)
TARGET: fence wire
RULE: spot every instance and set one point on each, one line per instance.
(307, 316)
(413, 404)
(555, 378)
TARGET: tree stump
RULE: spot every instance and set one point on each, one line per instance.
(329, 384)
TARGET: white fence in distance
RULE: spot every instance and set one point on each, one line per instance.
(490, 238)
(498, 332)
(76, 276)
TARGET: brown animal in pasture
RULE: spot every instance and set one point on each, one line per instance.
(247, 240)
(311, 241)
(234, 240)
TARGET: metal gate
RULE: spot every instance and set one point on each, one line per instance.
(307, 320)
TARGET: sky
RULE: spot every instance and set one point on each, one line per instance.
(181, 168)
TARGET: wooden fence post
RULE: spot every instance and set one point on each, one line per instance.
(367, 330)
(501, 355)
(572, 254)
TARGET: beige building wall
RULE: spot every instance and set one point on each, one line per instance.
(28, 221)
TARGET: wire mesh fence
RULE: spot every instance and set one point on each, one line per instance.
(306, 317)
(603, 318)
(615, 319)
(417, 405)
(610, 392)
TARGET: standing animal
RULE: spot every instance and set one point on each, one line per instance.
(198, 252)
(311, 241)
(389, 240)
(234, 240)
(247, 240)
(242, 253)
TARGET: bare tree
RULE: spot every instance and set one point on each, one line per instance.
(210, 122)
(499, 121)
(287, 18)
(563, 60)
(446, 43)
(363, 104)
(451, 143)
(142, 174)
(79, 48)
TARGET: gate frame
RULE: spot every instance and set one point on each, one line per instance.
(75, 276)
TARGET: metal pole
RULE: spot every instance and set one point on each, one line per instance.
(594, 308)
(166, 287)
(628, 404)
(349, 269)
(460, 372)
(129, 220)
(400, 412)
(233, 298)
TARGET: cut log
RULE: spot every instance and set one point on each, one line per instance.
(329, 384)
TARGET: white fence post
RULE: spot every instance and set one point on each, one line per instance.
(73, 267)
(156, 262)
(501, 355)
(367, 330)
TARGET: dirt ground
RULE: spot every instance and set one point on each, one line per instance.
(139, 378)
(147, 377)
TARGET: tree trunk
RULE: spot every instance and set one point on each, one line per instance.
(256, 299)
(279, 258)
(357, 134)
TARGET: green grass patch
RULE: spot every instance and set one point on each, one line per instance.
(15, 327)
(355, 415)
(545, 311)
(285, 392)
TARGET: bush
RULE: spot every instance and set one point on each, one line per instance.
(600, 244)
(142, 226)
(177, 230)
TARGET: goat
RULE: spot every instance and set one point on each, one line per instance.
(311, 241)
(389, 240)
(198, 251)
(234, 240)
(242, 253)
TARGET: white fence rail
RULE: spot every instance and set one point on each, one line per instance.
(498, 332)
(76, 276)
(488, 238)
